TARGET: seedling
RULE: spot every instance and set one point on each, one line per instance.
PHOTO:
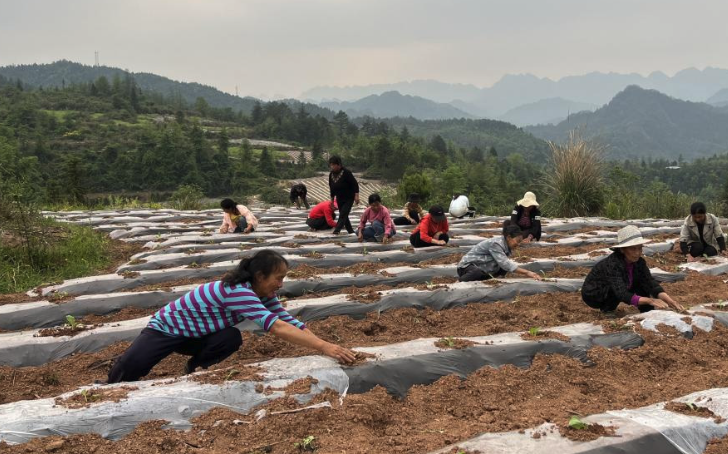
(57, 296)
(88, 395)
(535, 331)
(448, 341)
(231, 374)
(577, 424)
(51, 379)
(691, 406)
(193, 265)
(430, 285)
(722, 304)
(72, 322)
(364, 251)
(306, 444)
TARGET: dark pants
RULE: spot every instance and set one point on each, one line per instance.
(698, 249)
(416, 241)
(606, 301)
(299, 199)
(318, 223)
(152, 346)
(242, 225)
(472, 273)
(375, 232)
(404, 221)
(345, 207)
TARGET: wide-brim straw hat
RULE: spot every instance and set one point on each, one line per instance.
(528, 200)
(629, 236)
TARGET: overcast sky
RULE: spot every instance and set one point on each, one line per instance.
(271, 47)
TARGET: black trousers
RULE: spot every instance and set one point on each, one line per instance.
(345, 207)
(242, 225)
(318, 223)
(301, 198)
(152, 346)
(472, 273)
(606, 301)
(698, 249)
(404, 221)
(416, 241)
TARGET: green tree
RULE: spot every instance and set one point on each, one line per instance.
(267, 165)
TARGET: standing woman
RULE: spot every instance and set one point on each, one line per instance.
(345, 189)
(201, 323)
(527, 216)
(701, 234)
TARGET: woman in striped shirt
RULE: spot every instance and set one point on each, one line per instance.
(201, 324)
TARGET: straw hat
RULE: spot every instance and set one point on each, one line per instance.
(629, 236)
(528, 200)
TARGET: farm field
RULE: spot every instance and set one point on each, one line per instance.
(503, 366)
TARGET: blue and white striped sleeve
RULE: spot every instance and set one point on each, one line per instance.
(275, 307)
(245, 302)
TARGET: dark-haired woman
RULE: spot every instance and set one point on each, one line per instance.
(345, 189)
(381, 228)
(412, 211)
(701, 234)
(432, 229)
(489, 258)
(201, 324)
(237, 219)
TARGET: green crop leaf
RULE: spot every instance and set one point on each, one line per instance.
(576, 423)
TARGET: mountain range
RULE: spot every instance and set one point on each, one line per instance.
(512, 91)
(640, 123)
(393, 104)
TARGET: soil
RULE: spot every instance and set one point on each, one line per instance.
(540, 335)
(451, 259)
(60, 331)
(307, 271)
(588, 230)
(717, 446)
(694, 410)
(299, 386)
(16, 298)
(591, 432)
(449, 410)
(667, 261)
(291, 245)
(127, 313)
(568, 273)
(167, 285)
(453, 343)
(555, 251)
(91, 396)
(120, 252)
(697, 289)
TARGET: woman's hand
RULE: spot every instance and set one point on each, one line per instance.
(356, 198)
(386, 239)
(360, 237)
(691, 258)
(533, 275)
(248, 229)
(658, 304)
(439, 242)
(341, 354)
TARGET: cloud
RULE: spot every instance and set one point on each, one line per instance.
(287, 46)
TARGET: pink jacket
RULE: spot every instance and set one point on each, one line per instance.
(228, 226)
(382, 216)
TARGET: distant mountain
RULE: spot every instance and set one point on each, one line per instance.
(66, 72)
(544, 111)
(646, 123)
(720, 99)
(393, 104)
(512, 91)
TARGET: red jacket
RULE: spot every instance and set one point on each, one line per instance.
(427, 227)
(323, 210)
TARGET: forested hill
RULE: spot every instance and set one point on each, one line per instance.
(64, 72)
(641, 123)
(394, 104)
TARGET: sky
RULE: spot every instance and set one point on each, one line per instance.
(274, 48)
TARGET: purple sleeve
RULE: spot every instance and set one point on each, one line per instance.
(635, 301)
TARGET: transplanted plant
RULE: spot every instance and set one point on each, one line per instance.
(534, 331)
(448, 341)
(72, 322)
(306, 444)
(577, 424)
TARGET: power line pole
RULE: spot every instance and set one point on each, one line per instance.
(96, 58)
(236, 91)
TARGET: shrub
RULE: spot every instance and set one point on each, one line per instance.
(573, 183)
(187, 197)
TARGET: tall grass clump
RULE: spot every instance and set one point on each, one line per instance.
(573, 182)
(187, 197)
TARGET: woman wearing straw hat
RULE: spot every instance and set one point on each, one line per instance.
(527, 216)
(623, 277)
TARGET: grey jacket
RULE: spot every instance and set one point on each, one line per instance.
(711, 231)
(490, 256)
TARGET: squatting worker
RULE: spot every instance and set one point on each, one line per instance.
(623, 277)
(432, 229)
(237, 218)
(527, 216)
(201, 324)
(489, 258)
(701, 234)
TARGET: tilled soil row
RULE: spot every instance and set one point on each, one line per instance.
(449, 410)
(543, 310)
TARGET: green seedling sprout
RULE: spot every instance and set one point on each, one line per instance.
(577, 424)
(72, 322)
(535, 331)
(430, 285)
(448, 341)
(231, 374)
(306, 444)
(88, 395)
(721, 304)
(691, 406)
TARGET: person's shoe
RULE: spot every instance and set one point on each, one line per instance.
(335, 232)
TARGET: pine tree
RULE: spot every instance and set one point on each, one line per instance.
(266, 165)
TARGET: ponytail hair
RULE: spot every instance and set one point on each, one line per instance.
(265, 262)
(511, 230)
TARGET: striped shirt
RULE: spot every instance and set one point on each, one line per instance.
(214, 306)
